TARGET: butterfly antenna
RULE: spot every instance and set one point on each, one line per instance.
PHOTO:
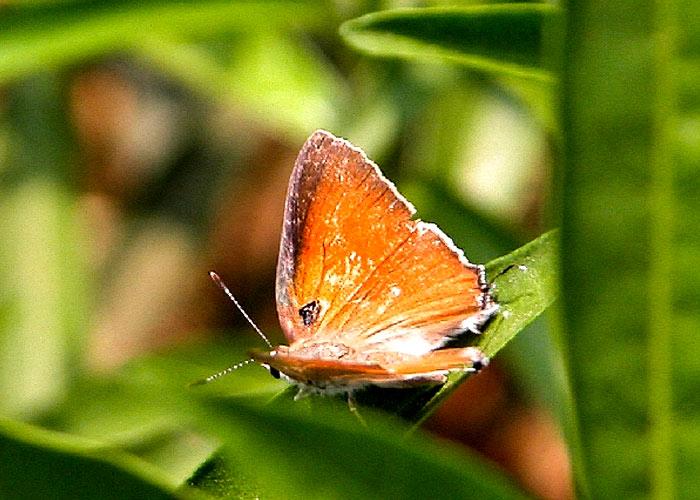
(220, 374)
(215, 277)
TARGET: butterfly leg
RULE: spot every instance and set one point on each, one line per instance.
(303, 392)
(352, 404)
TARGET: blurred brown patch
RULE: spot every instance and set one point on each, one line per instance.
(245, 236)
(103, 106)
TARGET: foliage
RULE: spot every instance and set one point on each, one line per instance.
(503, 38)
(626, 226)
(624, 134)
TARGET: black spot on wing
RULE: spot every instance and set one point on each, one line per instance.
(309, 313)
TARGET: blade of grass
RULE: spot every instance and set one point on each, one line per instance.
(37, 463)
(504, 39)
(524, 285)
(383, 466)
(620, 241)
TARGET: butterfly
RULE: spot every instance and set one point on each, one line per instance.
(367, 295)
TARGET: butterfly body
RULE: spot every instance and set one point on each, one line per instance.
(366, 295)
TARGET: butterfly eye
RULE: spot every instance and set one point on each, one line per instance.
(309, 313)
(274, 372)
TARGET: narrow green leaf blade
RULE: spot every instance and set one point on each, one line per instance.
(524, 284)
(271, 444)
(504, 38)
(37, 463)
(625, 249)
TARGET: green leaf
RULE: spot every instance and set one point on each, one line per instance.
(504, 39)
(272, 445)
(524, 283)
(37, 463)
(47, 36)
(630, 260)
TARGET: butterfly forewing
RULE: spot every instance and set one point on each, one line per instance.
(355, 267)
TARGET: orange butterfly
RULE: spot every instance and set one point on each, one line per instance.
(365, 294)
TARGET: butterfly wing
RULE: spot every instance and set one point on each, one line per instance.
(354, 266)
(325, 373)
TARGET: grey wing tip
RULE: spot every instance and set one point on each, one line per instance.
(320, 134)
(320, 131)
(319, 139)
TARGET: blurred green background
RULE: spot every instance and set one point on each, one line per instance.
(144, 143)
